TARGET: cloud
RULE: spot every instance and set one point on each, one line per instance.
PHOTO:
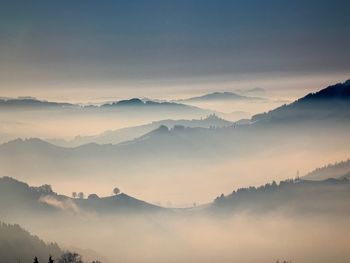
(65, 205)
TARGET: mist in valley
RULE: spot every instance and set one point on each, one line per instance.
(174, 131)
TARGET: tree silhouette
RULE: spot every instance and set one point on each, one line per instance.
(50, 260)
(81, 195)
(36, 260)
(116, 191)
(70, 257)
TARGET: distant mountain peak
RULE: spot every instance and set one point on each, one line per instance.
(131, 102)
(226, 95)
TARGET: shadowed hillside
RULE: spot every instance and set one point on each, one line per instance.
(337, 170)
(18, 198)
(18, 245)
(329, 104)
(295, 197)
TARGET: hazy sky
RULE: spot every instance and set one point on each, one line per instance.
(49, 48)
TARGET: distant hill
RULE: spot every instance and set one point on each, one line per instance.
(136, 102)
(219, 96)
(23, 103)
(331, 103)
(183, 145)
(126, 134)
(30, 102)
(18, 198)
(301, 197)
(337, 170)
(252, 91)
(18, 245)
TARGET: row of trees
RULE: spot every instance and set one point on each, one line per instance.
(81, 195)
(67, 257)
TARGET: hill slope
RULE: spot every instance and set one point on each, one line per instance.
(219, 96)
(126, 134)
(301, 197)
(337, 170)
(331, 103)
(20, 199)
(18, 245)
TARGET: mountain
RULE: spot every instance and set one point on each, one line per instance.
(18, 245)
(293, 197)
(219, 96)
(115, 204)
(177, 150)
(18, 198)
(337, 170)
(127, 134)
(331, 104)
(137, 103)
(252, 91)
(30, 102)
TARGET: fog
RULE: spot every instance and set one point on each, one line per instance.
(172, 175)
(241, 238)
(166, 169)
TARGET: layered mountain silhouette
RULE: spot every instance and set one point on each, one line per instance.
(296, 196)
(127, 134)
(23, 103)
(302, 121)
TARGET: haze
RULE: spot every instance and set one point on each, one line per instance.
(175, 131)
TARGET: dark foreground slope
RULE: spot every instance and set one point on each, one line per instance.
(18, 245)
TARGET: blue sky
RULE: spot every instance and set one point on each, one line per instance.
(47, 42)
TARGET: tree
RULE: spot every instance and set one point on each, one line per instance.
(81, 195)
(70, 257)
(116, 191)
(50, 260)
(74, 195)
(93, 196)
(36, 260)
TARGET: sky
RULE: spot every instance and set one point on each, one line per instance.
(85, 49)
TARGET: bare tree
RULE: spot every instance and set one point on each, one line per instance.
(74, 195)
(81, 195)
(70, 257)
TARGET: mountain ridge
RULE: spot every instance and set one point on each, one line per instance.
(226, 95)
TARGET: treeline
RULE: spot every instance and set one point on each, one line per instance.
(16, 245)
(67, 257)
(292, 196)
